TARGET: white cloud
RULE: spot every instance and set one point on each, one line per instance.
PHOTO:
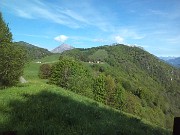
(67, 15)
(35, 9)
(61, 38)
(119, 39)
(24, 14)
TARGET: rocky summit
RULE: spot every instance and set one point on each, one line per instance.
(63, 47)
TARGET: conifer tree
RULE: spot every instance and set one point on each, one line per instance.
(5, 34)
(12, 58)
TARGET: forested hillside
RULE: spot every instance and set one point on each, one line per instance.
(33, 52)
(133, 80)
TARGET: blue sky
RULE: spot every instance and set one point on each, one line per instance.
(151, 24)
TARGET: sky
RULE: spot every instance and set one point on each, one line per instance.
(151, 24)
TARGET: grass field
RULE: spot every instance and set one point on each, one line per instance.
(37, 108)
(49, 59)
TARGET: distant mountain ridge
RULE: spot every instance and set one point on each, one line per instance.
(63, 47)
(32, 51)
(167, 58)
(175, 62)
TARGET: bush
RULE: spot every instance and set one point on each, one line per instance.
(72, 75)
(45, 71)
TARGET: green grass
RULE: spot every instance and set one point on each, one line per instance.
(43, 109)
(49, 59)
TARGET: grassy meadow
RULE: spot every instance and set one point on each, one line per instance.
(37, 108)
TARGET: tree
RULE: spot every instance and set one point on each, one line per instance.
(45, 71)
(99, 88)
(71, 74)
(5, 34)
(110, 90)
(12, 58)
(119, 97)
(11, 64)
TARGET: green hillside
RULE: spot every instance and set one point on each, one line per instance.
(149, 87)
(33, 52)
(49, 59)
(39, 108)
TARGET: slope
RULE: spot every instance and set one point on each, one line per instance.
(151, 86)
(63, 47)
(33, 52)
(40, 108)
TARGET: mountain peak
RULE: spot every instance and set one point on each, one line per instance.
(63, 47)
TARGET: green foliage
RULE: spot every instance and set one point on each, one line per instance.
(40, 108)
(99, 55)
(141, 81)
(106, 91)
(132, 104)
(5, 34)
(63, 70)
(12, 58)
(99, 88)
(110, 90)
(71, 74)
(81, 84)
(76, 53)
(128, 84)
(45, 71)
(102, 67)
(120, 97)
(33, 52)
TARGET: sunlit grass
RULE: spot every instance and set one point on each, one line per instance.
(49, 59)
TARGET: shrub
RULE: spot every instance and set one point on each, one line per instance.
(45, 71)
(72, 75)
